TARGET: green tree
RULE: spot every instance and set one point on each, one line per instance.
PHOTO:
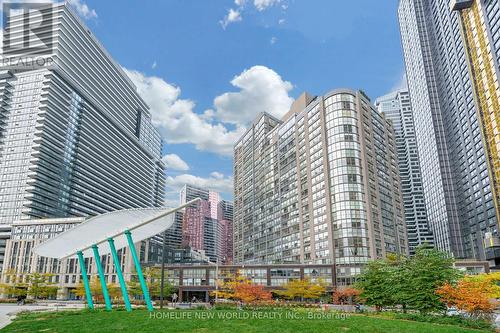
(398, 281)
(40, 285)
(374, 284)
(428, 270)
(408, 282)
(154, 283)
(134, 288)
(152, 275)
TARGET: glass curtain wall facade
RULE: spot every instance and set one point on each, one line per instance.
(319, 186)
(396, 106)
(480, 26)
(76, 139)
(454, 164)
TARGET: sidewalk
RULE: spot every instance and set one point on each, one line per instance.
(8, 311)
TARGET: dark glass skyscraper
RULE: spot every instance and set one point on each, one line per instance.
(455, 165)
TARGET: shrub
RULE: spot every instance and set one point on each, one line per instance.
(443, 320)
(225, 306)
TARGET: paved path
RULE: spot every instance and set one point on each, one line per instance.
(8, 311)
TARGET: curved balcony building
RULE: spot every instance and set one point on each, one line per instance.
(319, 186)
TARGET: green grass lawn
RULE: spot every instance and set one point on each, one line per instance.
(224, 321)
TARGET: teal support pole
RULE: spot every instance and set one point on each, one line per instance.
(144, 287)
(83, 270)
(120, 274)
(105, 293)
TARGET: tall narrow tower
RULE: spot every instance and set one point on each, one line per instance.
(397, 107)
(459, 186)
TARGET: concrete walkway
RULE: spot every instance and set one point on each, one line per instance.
(8, 311)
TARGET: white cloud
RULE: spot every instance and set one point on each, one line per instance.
(261, 89)
(264, 4)
(174, 162)
(231, 17)
(176, 120)
(235, 15)
(281, 21)
(82, 9)
(273, 40)
(153, 66)
(216, 182)
(217, 175)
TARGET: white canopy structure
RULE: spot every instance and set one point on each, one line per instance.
(145, 223)
(105, 233)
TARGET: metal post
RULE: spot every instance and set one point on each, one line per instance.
(162, 283)
(119, 273)
(105, 293)
(137, 263)
(83, 270)
(217, 280)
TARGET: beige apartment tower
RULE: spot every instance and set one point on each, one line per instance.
(319, 186)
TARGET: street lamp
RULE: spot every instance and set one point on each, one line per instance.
(162, 283)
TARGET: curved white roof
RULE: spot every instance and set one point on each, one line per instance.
(143, 223)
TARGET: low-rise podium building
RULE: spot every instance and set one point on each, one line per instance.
(20, 261)
(200, 280)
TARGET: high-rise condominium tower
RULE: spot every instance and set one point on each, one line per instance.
(319, 186)
(189, 193)
(456, 177)
(397, 107)
(75, 137)
(208, 224)
(480, 26)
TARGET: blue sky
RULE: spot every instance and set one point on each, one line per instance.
(188, 58)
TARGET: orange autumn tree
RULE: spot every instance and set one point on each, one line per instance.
(473, 294)
(226, 285)
(238, 287)
(251, 293)
(346, 296)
